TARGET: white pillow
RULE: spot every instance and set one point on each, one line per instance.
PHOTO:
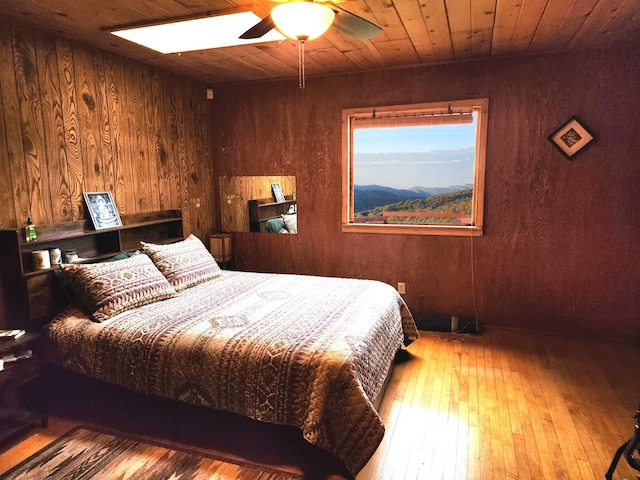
(291, 222)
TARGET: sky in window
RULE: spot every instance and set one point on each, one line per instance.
(406, 157)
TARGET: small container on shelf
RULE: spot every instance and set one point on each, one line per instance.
(70, 256)
(30, 234)
(55, 256)
(40, 259)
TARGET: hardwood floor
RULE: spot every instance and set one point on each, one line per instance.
(503, 405)
(508, 405)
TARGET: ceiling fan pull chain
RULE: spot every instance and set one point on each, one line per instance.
(301, 79)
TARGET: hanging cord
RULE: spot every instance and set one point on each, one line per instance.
(301, 79)
(457, 334)
(473, 285)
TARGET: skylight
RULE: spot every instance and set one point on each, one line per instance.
(197, 34)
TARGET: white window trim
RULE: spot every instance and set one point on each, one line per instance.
(476, 230)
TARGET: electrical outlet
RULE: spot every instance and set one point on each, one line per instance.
(402, 288)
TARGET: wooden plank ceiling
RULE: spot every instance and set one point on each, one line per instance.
(415, 32)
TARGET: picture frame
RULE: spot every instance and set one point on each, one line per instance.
(277, 192)
(571, 137)
(102, 210)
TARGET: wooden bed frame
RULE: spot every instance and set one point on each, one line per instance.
(35, 296)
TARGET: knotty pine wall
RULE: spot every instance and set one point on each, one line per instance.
(74, 119)
(561, 246)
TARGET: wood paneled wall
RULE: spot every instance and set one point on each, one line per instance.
(560, 251)
(74, 118)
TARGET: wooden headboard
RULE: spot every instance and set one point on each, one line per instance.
(32, 297)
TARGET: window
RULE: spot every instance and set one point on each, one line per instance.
(415, 169)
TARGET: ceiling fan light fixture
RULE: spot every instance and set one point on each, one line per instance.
(302, 20)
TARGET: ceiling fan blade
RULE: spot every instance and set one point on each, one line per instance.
(353, 25)
(261, 28)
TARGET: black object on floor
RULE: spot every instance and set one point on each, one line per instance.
(628, 448)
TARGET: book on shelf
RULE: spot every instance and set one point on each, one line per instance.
(11, 334)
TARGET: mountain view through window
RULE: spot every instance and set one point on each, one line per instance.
(415, 169)
(415, 175)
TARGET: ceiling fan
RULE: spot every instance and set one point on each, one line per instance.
(304, 20)
(343, 20)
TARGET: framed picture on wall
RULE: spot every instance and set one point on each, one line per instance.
(571, 137)
(277, 192)
(102, 209)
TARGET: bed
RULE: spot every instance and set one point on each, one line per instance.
(307, 351)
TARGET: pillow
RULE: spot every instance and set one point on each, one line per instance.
(185, 263)
(291, 223)
(64, 288)
(274, 225)
(121, 256)
(110, 288)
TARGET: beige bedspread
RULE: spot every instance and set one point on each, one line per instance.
(306, 351)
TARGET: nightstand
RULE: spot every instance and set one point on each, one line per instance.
(220, 248)
(15, 380)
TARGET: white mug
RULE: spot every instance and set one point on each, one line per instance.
(55, 256)
(40, 259)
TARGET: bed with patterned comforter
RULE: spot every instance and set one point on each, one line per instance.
(312, 352)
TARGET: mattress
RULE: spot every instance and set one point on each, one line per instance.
(312, 352)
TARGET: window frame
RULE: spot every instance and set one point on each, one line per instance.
(481, 105)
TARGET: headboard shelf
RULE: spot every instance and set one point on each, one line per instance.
(94, 259)
(263, 209)
(30, 293)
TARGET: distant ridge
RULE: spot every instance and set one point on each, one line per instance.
(415, 192)
(367, 197)
(438, 190)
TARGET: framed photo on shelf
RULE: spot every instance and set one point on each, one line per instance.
(102, 209)
(571, 137)
(277, 192)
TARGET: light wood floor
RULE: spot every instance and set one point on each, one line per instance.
(503, 405)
